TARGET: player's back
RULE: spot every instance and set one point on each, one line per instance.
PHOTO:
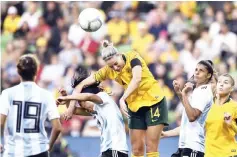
(110, 122)
(27, 106)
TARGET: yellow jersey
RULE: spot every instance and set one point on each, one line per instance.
(220, 138)
(148, 92)
(10, 25)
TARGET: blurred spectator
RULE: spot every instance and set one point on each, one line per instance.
(209, 16)
(42, 51)
(188, 9)
(88, 45)
(215, 27)
(176, 27)
(75, 127)
(132, 19)
(12, 20)
(41, 29)
(51, 13)
(157, 25)
(117, 27)
(22, 31)
(55, 35)
(69, 53)
(143, 40)
(233, 22)
(31, 16)
(75, 33)
(186, 58)
(91, 128)
(52, 72)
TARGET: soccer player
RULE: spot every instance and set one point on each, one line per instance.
(25, 107)
(221, 122)
(109, 118)
(147, 109)
(197, 103)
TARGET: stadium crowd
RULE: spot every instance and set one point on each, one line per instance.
(171, 36)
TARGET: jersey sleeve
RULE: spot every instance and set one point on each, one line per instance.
(104, 97)
(201, 98)
(134, 62)
(102, 74)
(52, 108)
(5, 103)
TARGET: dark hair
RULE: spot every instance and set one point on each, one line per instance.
(81, 74)
(209, 66)
(27, 67)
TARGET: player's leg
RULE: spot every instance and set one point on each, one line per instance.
(137, 130)
(156, 119)
(137, 142)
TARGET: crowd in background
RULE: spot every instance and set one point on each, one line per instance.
(171, 36)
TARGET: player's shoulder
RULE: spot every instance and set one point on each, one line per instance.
(131, 54)
(10, 90)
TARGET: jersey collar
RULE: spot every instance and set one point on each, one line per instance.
(28, 82)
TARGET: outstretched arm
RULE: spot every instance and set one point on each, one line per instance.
(82, 97)
(170, 133)
(88, 81)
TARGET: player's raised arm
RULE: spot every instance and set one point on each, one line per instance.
(82, 97)
(79, 82)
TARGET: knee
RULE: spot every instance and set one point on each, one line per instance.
(138, 150)
(151, 146)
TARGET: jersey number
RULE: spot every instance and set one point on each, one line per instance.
(155, 114)
(27, 115)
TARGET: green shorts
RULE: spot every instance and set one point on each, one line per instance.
(149, 116)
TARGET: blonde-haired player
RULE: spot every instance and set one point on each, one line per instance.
(221, 121)
(143, 96)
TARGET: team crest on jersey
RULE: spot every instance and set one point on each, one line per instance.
(233, 150)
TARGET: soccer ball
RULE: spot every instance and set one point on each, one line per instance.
(90, 19)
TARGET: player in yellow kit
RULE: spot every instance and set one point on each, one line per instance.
(221, 121)
(147, 110)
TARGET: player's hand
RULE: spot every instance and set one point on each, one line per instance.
(227, 118)
(67, 115)
(50, 148)
(176, 86)
(163, 134)
(123, 107)
(62, 100)
(62, 92)
(1, 148)
(187, 88)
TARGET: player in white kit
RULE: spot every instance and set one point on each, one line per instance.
(25, 107)
(197, 102)
(93, 101)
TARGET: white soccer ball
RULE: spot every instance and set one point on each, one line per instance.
(90, 19)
